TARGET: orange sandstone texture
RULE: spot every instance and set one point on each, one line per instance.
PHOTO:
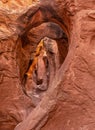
(68, 101)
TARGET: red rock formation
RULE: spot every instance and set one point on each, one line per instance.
(67, 103)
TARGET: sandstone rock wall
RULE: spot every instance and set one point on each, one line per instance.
(68, 101)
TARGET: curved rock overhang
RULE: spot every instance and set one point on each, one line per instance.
(41, 13)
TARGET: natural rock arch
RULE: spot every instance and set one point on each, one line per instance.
(44, 13)
(69, 103)
(19, 29)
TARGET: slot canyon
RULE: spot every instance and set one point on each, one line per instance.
(47, 64)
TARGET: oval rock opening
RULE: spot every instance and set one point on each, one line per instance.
(46, 47)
